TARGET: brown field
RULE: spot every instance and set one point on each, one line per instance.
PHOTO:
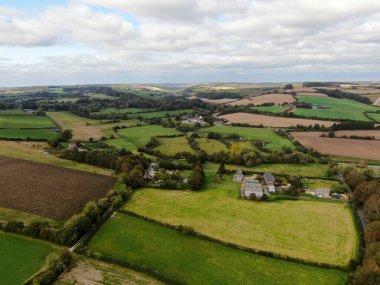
(362, 91)
(300, 89)
(311, 94)
(366, 149)
(46, 190)
(362, 133)
(271, 121)
(377, 102)
(276, 98)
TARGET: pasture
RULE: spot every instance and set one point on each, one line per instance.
(271, 121)
(211, 146)
(374, 116)
(140, 136)
(25, 122)
(319, 232)
(274, 141)
(331, 114)
(270, 109)
(21, 258)
(160, 114)
(35, 134)
(48, 191)
(189, 260)
(13, 112)
(365, 149)
(121, 111)
(275, 98)
(172, 146)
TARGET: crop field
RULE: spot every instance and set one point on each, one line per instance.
(140, 136)
(122, 111)
(215, 101)
(211, 146)
(273, 140)
(25, 122)
(366, 149)
(42, 134)
(303, 230)
(172, 146)
(270, 109)
(312, 94)
(271, 121)
(374, 116)
(20, 258)
(48, 191)
(94, 272)
(361, 133)
(36, 152)
(303, 170)
(13, 112)
(331, 114)
(275, 98)
(160, 114)
(189, 260)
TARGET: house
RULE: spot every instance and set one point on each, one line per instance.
(269, 179)
(195, 120)
(150, 172)
(251, 186)
(238, 176)
(320, 192)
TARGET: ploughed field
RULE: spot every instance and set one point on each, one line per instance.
(366, 149)
(47, 190)
(312, 231)
(271, 121)
(189, 260)
(275, 98)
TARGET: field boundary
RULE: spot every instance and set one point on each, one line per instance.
(189, 231)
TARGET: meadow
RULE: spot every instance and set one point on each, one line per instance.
(189, 260)
(172, 146)
(140, 136)
(121, 111)
(319, 232)
(274, 141)
(35, 134)
(374, 116)
(211, 146)
(160, 114)
(25, 122)
(20, 258)
(13, 112)
(270, 109)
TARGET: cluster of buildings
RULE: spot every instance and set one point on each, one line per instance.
(250, 185)
(194, 120)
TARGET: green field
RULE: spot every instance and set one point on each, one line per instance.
(299, 229)
(339, 108)
(160, 114)
(270, 109)
(172, 146)
(303, 170)
(43, 134)
(121, 111)
(102, 96)
(121, 143)
(20, 258)
(211, 146)
(140, 136)
(25, 122)
(13, 112)
(374, 116)
(190, 260)
(274, 141)
(316, 183)
(7, 215)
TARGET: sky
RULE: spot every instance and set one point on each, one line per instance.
(180, 41)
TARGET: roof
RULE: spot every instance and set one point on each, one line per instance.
(271, 189)
(322, 190)
(269, 176)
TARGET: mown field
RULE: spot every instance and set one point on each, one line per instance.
(211, 146)
(374, 116)
(270, 109)
(7, 215)
(25, 122)
(13, 112)
(172, 146)
(36, 134)
(316, 183)
(20, 258)
(319, 232)
(140, 136)
(94, 272)
(190, 260)
(122, 111)
(273, 140)
(48, 191)
(160, 114)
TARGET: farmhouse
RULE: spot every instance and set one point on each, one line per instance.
(251, 186)
(151, 171)
(320, 192)
(269, 179)
(238, 176)
(195, 120)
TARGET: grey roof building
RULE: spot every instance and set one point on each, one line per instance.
(269, 178)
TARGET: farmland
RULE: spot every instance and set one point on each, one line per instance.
(275, 98)
(361, 133)
(135, 241)
(140, 136)
(339, 146)
(217, 212)
(13, 112)
(36, 134)
(211, 146)
(48, 191)
(270, 109)
(25, 122)
(172, 146)
(374, 116)
(122, 111)
(271, 121)
(273, 140)
(160, 114)
(20, 258)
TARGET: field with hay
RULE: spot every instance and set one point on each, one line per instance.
(275, 98)
(48, 191)
(186, 259)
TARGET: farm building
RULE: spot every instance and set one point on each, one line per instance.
(151, 171)
(269, 179)
(195, 120)
(251, 186)
(320, 192)
(238, 176)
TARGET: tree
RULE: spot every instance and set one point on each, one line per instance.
(372, 232)
(372, 207)
(353, 177)
(196, 177)
(66, 135)
(288, 87)
(364, 191)
(221, 169)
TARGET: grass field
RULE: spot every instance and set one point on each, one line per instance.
(315, 183)
(20, 258)
(190, 260)
(160, 114)
(25, 122)
(95, 272)
(7, 215)
(374, 116)
(303, 170)
(320, 232)
(211, 146)
(140, 136)
(121, 143)
(274, 141)
(270, 109)
(35, 152)
(43, 134)
(13, 112)
(339, 108)
(102, 96)
(172, 146)
(121, 111)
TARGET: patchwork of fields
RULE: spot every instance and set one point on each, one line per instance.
(275, 98)
(190, 260)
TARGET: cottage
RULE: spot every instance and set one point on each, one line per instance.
(195, 120)
(269, 179)
(238, 176)
(251, 186)
(151, 171)
(320, 192)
